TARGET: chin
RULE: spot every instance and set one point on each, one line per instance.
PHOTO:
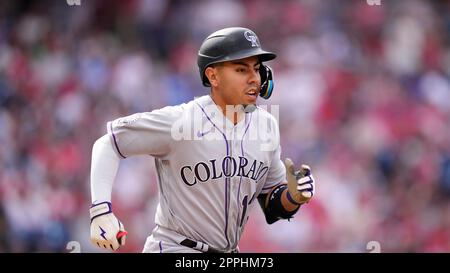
(250, 101)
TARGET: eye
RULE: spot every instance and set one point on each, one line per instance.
(241, 70)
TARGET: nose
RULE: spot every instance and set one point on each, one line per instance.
(254, 77)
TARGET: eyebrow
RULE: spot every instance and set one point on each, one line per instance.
(243, 63)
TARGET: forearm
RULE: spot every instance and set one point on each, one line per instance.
(104, 166)
(276, 204)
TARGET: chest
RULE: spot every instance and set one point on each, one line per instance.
(216, 153)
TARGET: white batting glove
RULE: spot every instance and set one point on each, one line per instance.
(300, 183)
(106, 230)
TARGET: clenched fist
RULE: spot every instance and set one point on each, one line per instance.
(106, 230)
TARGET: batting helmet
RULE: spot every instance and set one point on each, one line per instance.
(231, 44)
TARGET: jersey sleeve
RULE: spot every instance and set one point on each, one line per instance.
(144, 133)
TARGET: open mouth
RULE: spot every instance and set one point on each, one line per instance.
(252, 93)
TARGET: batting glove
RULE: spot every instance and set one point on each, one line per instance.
(300, 183)
(106, 230)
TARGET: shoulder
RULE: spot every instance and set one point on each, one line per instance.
(162, 116)
(187, 106)
(181, 112)
(263, 114)
(172, 112)
(265, 124)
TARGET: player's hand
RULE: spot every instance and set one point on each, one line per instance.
(106, 230)
(300, 183)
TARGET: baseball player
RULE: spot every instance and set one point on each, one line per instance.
(215, 156)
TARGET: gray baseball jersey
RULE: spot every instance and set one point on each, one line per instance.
(210, 171)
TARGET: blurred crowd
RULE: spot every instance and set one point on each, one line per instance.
(364, 95)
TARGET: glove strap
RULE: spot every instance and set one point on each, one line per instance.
(289, 197)
(100, 209)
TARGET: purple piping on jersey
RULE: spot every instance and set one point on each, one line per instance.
(226, 180)
(242, 153)
(115, 142)
(160, 246)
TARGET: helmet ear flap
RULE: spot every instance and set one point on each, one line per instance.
(266, 81)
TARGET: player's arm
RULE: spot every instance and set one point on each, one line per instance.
(284, 200)
(141, 133)
(106, 230)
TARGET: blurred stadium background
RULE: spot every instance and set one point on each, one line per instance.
(364, 97)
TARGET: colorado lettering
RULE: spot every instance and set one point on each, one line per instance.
(227, 167)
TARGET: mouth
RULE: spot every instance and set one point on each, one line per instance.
(252, 93)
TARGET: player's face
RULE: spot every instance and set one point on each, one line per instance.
(239, 81)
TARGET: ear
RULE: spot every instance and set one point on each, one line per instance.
(211, 74)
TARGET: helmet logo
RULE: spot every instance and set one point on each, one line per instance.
(251, 37)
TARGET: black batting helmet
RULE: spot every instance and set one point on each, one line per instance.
(231, 44)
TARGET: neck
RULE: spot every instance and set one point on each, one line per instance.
(233, 113)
